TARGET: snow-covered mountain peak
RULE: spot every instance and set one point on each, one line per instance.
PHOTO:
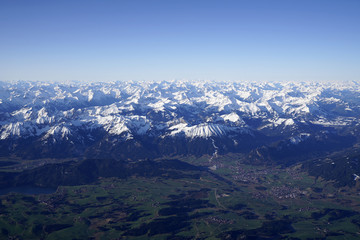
(173, 108)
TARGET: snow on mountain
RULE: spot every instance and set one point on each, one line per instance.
(43, 117)
(203, 130)
(206, 130)
(11, 129)
(299, 138)
(172, 108)
(232, 117)
(62, 131)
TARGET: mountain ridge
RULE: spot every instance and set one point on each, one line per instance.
(82, 115)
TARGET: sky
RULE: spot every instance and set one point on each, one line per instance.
(146, 40)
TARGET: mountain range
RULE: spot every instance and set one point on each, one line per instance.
(134, 120)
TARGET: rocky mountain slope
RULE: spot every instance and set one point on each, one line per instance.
(149, 119)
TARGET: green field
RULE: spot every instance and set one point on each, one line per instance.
(235, 201)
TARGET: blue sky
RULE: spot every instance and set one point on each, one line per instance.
(252, 40)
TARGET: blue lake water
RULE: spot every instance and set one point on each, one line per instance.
(29, 190)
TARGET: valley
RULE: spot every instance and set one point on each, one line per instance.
(187, 202)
